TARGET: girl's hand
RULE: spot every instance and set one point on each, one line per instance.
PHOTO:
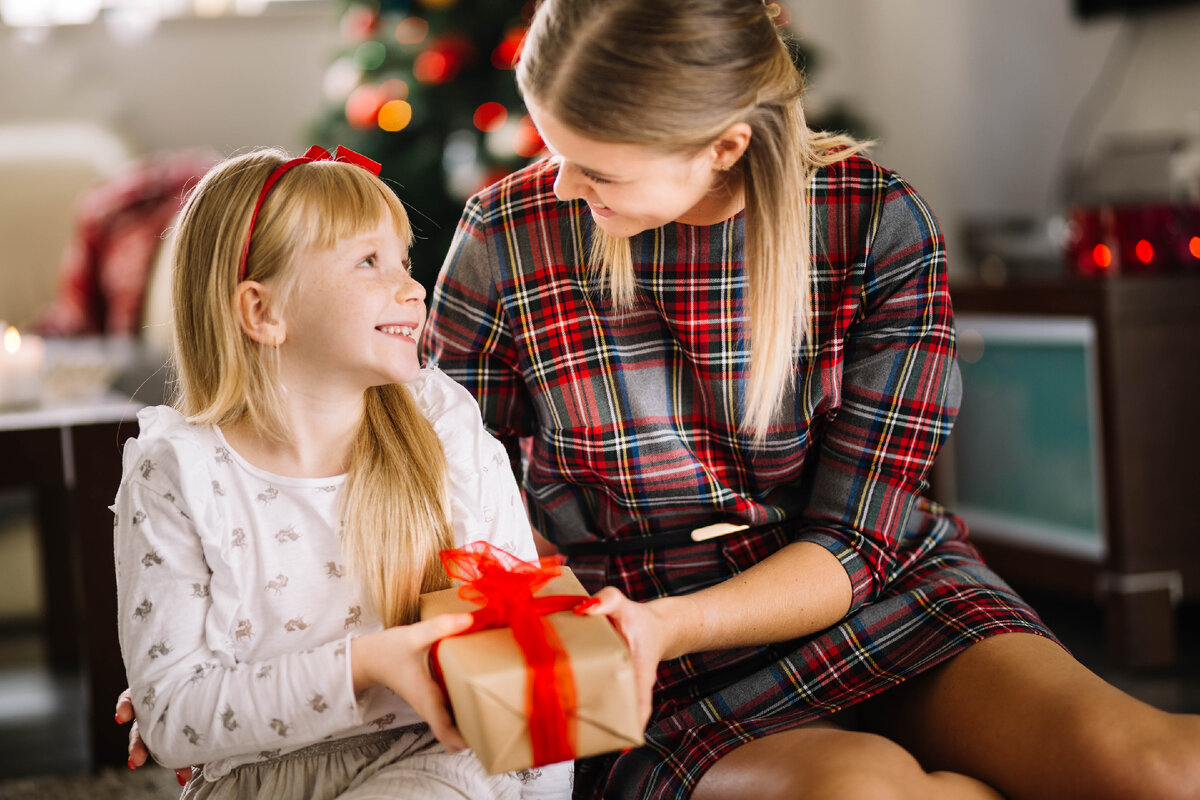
(648, 632)
(138, 754)
(398, 658)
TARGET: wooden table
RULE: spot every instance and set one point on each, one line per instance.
(69, 454)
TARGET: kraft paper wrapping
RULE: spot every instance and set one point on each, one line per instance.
(486, 680)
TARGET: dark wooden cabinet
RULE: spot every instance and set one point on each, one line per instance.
(1147, 348)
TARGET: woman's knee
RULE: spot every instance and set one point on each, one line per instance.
(830, 765)
(1155, 756)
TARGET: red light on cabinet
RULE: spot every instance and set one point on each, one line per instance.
(1102, 256)
(1144, 251)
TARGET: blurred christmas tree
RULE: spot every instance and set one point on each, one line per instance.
(426, 87)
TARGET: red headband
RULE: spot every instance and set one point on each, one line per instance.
(314, 153)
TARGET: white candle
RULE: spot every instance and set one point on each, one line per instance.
(21, 362)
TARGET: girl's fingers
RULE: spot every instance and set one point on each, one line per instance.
(429, 631)
(124, 711)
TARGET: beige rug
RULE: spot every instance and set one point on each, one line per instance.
(147, 783)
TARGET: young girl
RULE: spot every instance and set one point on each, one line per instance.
(275, 527)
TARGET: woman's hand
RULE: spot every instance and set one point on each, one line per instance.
(652, 631)
(398, 658)
(138, 754)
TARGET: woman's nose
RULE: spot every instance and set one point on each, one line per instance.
(569, 184)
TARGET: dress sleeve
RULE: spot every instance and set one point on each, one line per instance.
(194, 702)
(468, 335)
(900, 395)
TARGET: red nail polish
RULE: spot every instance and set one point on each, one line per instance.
(131, 764)
(117, 718)
(182, 780)
(587, 605)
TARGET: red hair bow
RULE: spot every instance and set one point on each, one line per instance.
(314, 153)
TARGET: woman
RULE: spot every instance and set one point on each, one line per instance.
(700, 312)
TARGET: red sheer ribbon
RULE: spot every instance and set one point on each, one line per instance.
(314, 153)
(504, 585)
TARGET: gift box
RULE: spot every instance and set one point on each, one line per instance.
(531, 682)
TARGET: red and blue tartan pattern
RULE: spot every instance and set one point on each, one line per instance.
(633, 418)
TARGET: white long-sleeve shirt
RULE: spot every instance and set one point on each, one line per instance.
(234, 606)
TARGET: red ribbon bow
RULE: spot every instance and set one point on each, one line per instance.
(504, 586)
(314, 153)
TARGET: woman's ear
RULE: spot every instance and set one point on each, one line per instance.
(253, 303)
(727, 148)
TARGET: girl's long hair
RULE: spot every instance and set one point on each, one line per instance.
(673, 75)
(394, 508)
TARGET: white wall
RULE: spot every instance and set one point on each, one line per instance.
(219, 83)
(971, 99)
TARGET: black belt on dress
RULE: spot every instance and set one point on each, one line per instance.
(658, 541)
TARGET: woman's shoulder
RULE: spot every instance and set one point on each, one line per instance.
(856, 176)
(518, 194)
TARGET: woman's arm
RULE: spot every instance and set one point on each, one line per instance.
(899, 397)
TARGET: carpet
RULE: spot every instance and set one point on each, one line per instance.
(112, 783)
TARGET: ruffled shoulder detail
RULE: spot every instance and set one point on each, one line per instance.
(484, 498)
(169, 453)
(445, 403)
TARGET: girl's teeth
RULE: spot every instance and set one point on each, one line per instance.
(402, 330)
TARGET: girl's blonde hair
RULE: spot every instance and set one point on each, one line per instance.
(673, 75)
(394, 505)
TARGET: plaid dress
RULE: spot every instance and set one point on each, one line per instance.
(630, 420)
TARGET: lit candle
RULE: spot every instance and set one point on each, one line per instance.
(21, 360)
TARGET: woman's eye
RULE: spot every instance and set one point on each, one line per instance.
(597, 179)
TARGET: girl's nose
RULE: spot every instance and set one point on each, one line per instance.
(569, 184)
(410, 289)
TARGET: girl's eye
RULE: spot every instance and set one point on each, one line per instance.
(369, 262)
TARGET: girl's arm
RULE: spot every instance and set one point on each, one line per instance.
(194, 701)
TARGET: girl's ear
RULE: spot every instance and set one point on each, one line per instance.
(253, 303)
(727, 148)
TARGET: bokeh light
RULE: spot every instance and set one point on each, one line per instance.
(489, 116)
(340, 79)
(1194, 246)
(370, 55)
(1102, 255)
(362, 106)
(506, 53)
(395, 115)
(527, 143)
(412, 30)
(432, 66)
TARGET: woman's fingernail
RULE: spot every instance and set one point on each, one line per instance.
(587, 605)
(117, 718)
(131, 764)
(182, 780)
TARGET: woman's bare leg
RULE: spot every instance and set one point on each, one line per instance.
(825, 762)
(1020, 713)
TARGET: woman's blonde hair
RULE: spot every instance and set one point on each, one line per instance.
(394, 505)
(673, 75)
